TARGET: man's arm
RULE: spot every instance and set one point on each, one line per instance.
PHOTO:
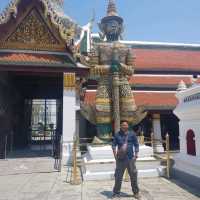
(114, 146)
(136, 145)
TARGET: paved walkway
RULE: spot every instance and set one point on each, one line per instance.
(31, 184)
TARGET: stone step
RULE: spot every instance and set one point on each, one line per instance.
(105, 152)
(102, 165)
(109, 175)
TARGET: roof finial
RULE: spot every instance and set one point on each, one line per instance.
(181, 86)
(112, 10)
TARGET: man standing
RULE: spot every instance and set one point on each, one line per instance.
(125, 149)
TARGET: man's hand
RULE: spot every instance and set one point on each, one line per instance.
(136, 156)
(115, 154)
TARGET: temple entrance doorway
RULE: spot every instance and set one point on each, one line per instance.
(34, 113)
(169, 124)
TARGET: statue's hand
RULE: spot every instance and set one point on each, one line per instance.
(115, 67)
(126, 69)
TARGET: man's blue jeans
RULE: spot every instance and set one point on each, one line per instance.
(121, 166)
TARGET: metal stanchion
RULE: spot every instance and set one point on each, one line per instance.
(11, 142)
(168, 155)
(60, 154)
(152, 140)
(142, 138)
(75, 175)
(5, 150)
(52, 142)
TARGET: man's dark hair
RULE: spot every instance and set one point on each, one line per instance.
(122, 121)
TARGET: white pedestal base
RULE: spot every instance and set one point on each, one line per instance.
(99, 163)
(105, 152)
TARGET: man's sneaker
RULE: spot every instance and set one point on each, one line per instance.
(115, 195)
(136, 195)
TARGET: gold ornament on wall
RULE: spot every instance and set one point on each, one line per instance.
(69, 81)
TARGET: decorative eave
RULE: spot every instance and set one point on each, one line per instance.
(39, 61)
(68, 29)
(36, 59)
(38, 47)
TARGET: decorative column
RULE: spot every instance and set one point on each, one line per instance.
(158, 147)
(115, 97)
(69, 114)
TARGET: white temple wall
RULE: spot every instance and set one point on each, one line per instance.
(188, 111)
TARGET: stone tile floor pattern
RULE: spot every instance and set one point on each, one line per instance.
(20, 181)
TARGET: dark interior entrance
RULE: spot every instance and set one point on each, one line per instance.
(34, 111)
(169, 124)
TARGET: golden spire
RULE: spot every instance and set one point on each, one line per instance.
(59, 3)
(112, 10)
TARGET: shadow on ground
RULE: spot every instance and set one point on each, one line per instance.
(108, 194)
(144, 195)
(189, 189)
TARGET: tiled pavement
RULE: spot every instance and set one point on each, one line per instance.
(151, 189)
(21, 180)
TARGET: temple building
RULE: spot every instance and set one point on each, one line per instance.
(38, 75)
(41, 71)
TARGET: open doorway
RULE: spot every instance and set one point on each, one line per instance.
(43, 124)
(34, 112)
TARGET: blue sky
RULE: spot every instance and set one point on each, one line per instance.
(145, 20)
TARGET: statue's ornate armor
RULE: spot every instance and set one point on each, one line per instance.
(107, 60)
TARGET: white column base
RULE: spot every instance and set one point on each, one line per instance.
(158, 148)
(67, 153)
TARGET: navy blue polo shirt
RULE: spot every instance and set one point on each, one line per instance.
(133, 145)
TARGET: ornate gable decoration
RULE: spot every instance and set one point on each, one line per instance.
(67, 28)
(33, 30)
